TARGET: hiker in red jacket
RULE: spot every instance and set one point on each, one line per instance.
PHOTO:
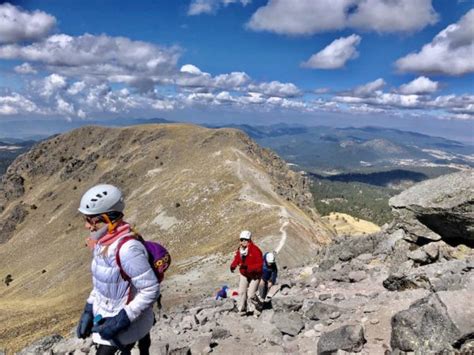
(250, 261)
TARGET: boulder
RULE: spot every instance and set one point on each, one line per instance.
(440, 208)
(287, 304)
(202, 345)
(436, 323)
(288, 323)
(419, 256)
(348, 338)
(320, 311)
(440, 276)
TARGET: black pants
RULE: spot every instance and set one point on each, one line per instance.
(143, 345)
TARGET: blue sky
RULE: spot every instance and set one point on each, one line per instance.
(393, 63)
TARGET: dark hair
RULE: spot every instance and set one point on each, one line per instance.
(114, 215)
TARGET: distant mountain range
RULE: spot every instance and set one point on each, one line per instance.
(41, 129)
(330, 151)
(319, 150)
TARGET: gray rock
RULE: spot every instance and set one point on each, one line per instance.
(387, 244)
(288, 323)
(227, 305)
(188, 322)
(438, 208)
(365, 258)
(440, 276)
(9, 224)
(348, 338)
(71, 345)
(432, 250)
(42, 345)
(287, 304)
(425, 327)
(320, 311)
(401, 282)
(220, 333)
(419, 256)
(461, 314)
(324, 296)
(202, 345)
(356, 276)
(345, 248)
(335, 315)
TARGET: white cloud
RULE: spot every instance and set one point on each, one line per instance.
(369, 88)
(302, 17)
(335, 55)
(305, 17)
(53, 83)
(17, 25)
(420, 85)
(393, 15)
(450, 52)
(76, 88)
(198, 7)
(25, 68)
(232, 80)
(277, 89)
(15, 103)
(192, 78)
(116, 59)
(190, 69)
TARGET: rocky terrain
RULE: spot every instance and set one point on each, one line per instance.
(393, 292)
(192, 188)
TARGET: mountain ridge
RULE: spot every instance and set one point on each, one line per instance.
(190, 187)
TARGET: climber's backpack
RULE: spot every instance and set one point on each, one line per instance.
(158, 256)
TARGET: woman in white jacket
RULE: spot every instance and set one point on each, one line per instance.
(119, 310)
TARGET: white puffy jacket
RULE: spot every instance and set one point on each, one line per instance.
(111, 292)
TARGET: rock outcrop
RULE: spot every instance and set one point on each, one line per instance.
(438, 209)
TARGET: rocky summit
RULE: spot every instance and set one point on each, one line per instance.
(404, 289)
(191, 188)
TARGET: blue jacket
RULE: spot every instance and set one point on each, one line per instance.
(270, 271)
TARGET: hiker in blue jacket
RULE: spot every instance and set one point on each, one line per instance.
(269, 275)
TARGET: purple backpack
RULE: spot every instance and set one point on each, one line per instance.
(158, 257)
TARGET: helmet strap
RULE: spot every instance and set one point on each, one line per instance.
(110, 225)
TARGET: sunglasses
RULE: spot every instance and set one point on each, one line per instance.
(244, 240)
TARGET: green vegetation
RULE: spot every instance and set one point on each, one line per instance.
(356, 199)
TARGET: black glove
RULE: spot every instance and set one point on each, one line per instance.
(85, 323)
(111, 326)
(232, 269)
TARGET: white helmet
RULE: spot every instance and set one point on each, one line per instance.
(245, 235)
(100, 199)
(270, 258)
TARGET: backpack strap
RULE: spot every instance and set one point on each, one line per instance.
(117, 256)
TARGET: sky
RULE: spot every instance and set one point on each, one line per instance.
(405, 64)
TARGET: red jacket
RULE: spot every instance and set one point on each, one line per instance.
(250, 265)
